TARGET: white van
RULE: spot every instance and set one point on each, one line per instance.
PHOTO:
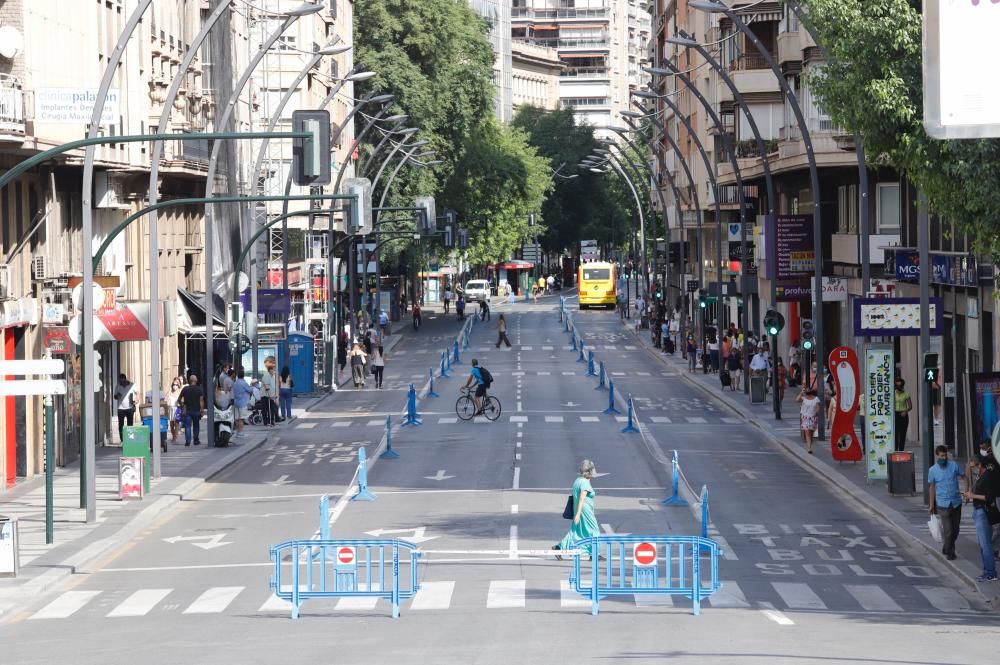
(477, 290)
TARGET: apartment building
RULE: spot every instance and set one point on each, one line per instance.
(964, 286)
(497, 15)
(536, 75)
(601, 43)
(46, 99)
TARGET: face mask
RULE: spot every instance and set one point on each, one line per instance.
(984, 452)
(942, 462)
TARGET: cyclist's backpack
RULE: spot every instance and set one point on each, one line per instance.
(487, 377)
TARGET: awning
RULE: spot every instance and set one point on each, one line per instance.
(191, 313)
(514, 264)
(583, 55)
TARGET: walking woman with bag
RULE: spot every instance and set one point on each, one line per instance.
(378, 366)
(502, 332)
(358, 365)
(584, 518)
(285, 393)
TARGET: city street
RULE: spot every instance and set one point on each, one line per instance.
(808, 577)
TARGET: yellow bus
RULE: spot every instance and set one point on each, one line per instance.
(597, 284)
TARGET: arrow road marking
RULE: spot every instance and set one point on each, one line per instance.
(439, 476)
(211, 542)
(416, 537)
(283, 480)
(747, 473)
(570, 404)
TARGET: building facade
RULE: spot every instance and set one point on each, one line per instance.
(536, 75)
(497, 14)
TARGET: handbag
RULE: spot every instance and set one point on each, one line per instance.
(179, 414)
(934, 526)
(568, 510)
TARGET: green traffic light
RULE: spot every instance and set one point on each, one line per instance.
(807, 345)
(773, 330)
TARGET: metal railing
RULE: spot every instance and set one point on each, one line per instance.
(564, 13)
(586, 73)
(747, 61)
(12, 119)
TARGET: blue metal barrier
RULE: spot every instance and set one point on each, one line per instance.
(566, 326)
(647, 565)
(465, 337)
(412, 417)
(675, 485)
(447, 360)
(389, 452)
(572, 341)
(611, 400)
(363, 493)
(704, 511)
(324, 517)
(444, 370)
(601, 378)
(430, 390)
(630, 428)
(456, 359)
(344, 569)
(580, 358)
(590, 364)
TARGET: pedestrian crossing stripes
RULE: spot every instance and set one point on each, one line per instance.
(509, 594)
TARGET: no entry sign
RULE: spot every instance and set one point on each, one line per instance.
(644, 554)
(345, 556)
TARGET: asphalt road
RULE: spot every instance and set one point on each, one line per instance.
(808, 576)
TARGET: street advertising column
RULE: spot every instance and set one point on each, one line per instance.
(844, 443)
(878, 411)
(984, 407)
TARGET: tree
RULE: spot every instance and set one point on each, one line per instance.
(873, 84)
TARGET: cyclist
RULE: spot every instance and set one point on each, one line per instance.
(416, 316)
(476, 377)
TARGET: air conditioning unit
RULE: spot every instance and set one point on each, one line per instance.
(4, 282)
(39, 270)
(109, 191)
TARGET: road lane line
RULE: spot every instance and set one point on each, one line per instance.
(447, 421)
(517, 478)
(139, 603)
(513, 542)
(767, 609)
(214, 600)
(873, 598)
(65, 605)
(505, 594)
(548, 419)
(589, 419)
(695, 420)
(944, 598)
(433, 596)
(513, 509)
(798, 596)
(660, 420)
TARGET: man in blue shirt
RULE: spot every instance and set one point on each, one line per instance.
(945, 498)
(477, 377)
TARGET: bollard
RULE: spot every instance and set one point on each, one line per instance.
(704, 511)
(465, 337)
(611, 399)
(590, 364)
(601, 378)
(675, 485)
(630, 428)
(444, 370)
(566, 324)
(447, 360)
(412, 418)
(389, 452)
(572, 341)
(456, 359)
(581, 359)
(430, 390)
(363, 493)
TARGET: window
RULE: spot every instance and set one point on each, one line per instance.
(842, 213)
(286, 43)
(852, 207)
(887, 207)
(596, 274)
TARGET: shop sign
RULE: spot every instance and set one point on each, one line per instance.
(53, 312)
(879, 411)
(57, 340)
(894, 317)
(834, 289)
(20, 312)
(844, 443)
(950, 269)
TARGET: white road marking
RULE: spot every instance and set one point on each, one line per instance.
(447, 421)
(517, 478)
(519, 419)
(732, 421)
(139, 603)
(342, 423)
(65, 605)
(642, 600)
(730, 595)
(872, 598)
(695, 420)
(519, 406)
(617, 373)
(660, 420)
(568, 597)
(631, 348)
(275, 604)
(943, 598)
(622, 419)
(214, 600)
(305, 426)
(513, 542)
(513, 509)
(505, 593)
(589, 419)
(433, 596)
(517, 456)
(547, 348)
(517, 373)
(569, 373)
(642, 374)
(798, 596)
(553, 419)
(778, 617)
(359, 603)
(610, 347)
(544, 373)
(526, 348)
(375, 423)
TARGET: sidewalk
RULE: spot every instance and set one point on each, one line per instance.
(78, 544)
(907, 515)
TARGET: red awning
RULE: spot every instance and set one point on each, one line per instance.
(514, 265)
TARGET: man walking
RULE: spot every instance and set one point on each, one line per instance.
(502, 332)
(125, 399)
(192, 398)
(945, 500)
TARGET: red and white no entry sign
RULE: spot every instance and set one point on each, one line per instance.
(644, 554)
(345, 555)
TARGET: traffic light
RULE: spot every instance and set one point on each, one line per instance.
(463, 238)
(450, 227)
(658, 293)
(311, 156)
(98, 372)
(427, 223)
(358, 220)
(702, 300)
(931, 369)
(773, 322)
(808, 334)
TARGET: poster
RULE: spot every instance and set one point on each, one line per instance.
(985, 405)
(794, 251)
(879, 408)
(844, 443)
(130, 474)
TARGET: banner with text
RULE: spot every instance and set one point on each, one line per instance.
(879, 409)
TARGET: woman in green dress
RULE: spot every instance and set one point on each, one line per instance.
(584, 520)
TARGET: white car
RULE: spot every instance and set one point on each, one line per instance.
(477, 290)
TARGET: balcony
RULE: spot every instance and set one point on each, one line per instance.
(748, 61)
(586, 73)
(11, 109)
(568, 13)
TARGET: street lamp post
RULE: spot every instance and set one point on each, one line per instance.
(622, 158)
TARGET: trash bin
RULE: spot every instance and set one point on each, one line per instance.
(137, 444)
(902, 474)
(9, 556)
(758, 389)
(147, 421)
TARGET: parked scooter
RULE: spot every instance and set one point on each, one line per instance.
(224, 421)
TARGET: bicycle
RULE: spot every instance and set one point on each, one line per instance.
(465, 407)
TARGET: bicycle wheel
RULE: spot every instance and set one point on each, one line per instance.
(491, 408)
(465, 407)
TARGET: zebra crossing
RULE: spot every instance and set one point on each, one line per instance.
(555, 419)
(517, 348)
(532, 595)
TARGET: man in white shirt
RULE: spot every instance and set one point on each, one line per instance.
(759, 364)
(125, 403)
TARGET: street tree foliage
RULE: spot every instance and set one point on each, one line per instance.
(435, 58)
(580, 208)
(872, 84)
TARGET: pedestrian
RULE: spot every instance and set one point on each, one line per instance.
(227, 378)
(416, 315)
(366, 341)
(734, 365)
(794, 363)
(692, 351)
(383, 322)
(447, 298)
(342, 353)
(192, 398)
(270, 384)
(460, 307)
(666, 342)
(781, 378)
(176, 414)
(944, 498)
(378, 367)
(983, 496)
(502, 332)
(484, 309)
(903, 406)
(358, 357)
(808, 416)
(377, 338)
(242, 396)
(125, 402)
(550, 282)
(622, 304)
(285, 393)
(584, 524)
